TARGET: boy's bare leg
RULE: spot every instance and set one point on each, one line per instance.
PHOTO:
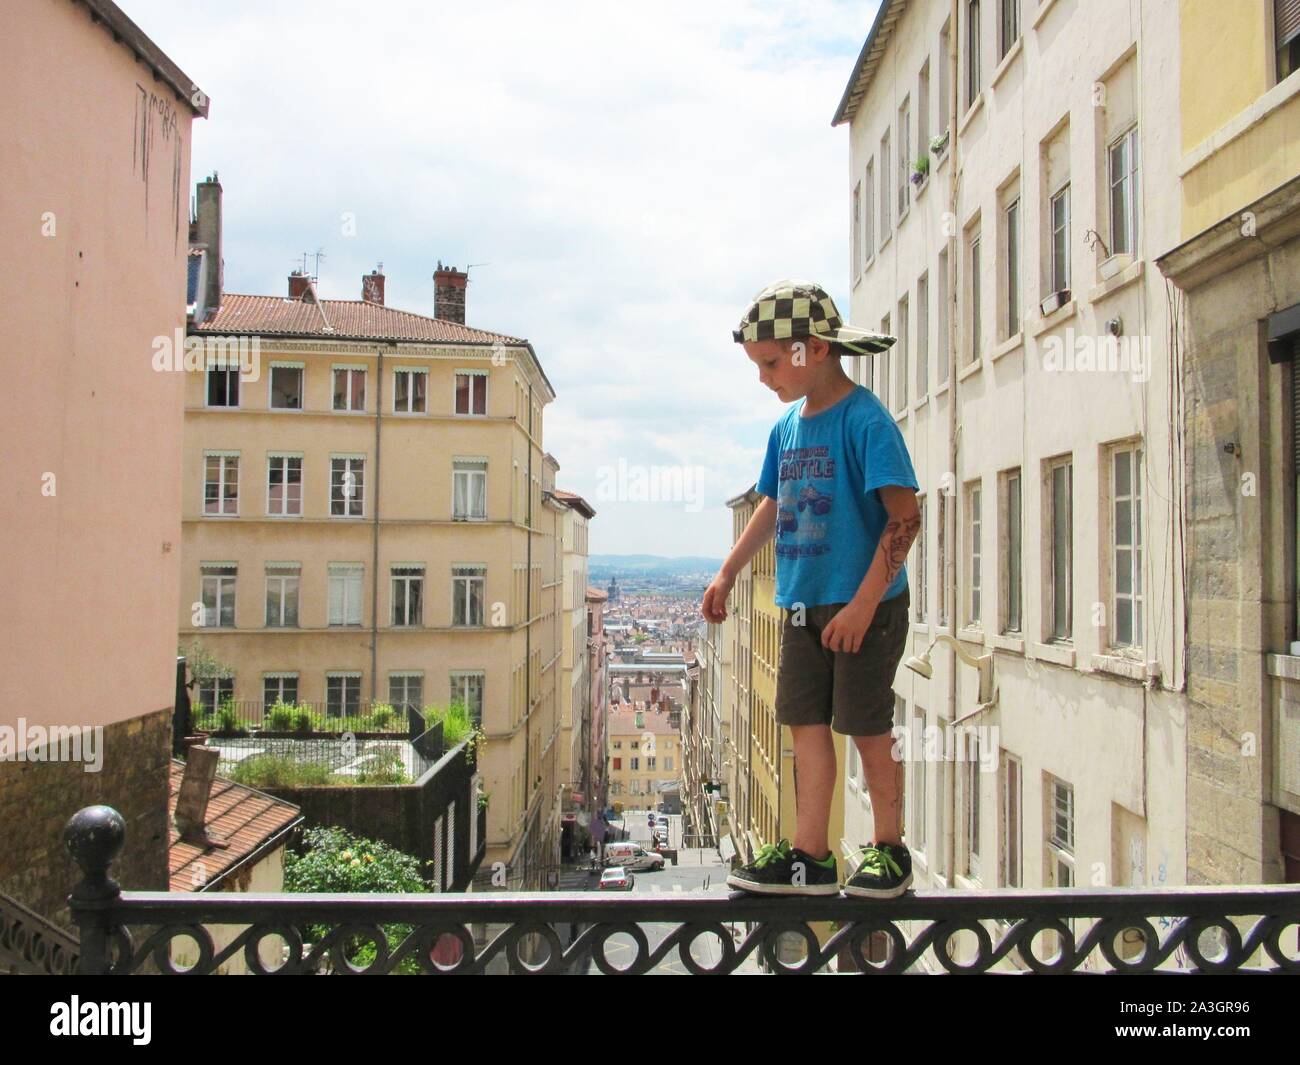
(884, 783)
(814, 769)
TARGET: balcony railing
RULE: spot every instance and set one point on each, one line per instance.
(552, 932)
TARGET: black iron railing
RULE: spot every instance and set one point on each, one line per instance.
(550, 932)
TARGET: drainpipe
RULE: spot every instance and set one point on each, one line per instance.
(528, 615)
(374, 541)
(954, 333)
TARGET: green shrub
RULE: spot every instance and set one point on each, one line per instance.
(276, 771)
(383, 768)
(228, 719)
(280, 718)
(304, 720)
(382, 716)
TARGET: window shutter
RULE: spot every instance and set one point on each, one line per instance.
(1286, 21)
(354, 597)
(336, 599)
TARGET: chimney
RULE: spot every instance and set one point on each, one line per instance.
(207, 231)
(299, 285)
(192, 799)
(449, 294)
(372, 286)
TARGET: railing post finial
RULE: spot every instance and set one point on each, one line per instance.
(94, 837)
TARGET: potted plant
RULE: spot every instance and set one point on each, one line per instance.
(939, 144)
(920, 169)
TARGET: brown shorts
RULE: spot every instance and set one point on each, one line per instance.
(853, 693)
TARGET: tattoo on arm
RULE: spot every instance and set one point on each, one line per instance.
(895, 542)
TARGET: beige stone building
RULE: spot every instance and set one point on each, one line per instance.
(369, 514)
(97, 123)
(575, 744)
(645, 757)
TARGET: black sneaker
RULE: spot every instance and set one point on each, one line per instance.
(784, 870)
(885, 872)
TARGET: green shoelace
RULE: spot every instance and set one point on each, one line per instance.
(771, 852)
(875, 861)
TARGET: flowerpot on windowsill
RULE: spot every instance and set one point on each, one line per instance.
(1055, 301)
(939, 144)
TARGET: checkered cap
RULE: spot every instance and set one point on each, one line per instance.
(788, 308)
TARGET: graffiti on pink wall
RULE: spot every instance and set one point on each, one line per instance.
(157, 124)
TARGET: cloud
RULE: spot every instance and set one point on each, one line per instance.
(630, 176)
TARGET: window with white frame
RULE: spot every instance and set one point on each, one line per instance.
(345, 581)
(409, 390)
(945, 540)
(286, 385)
(467, 688)
(1012, 823)
(221, 483)
(469, 489)
(1060, 846)
(869, 213)
(971, 802)
(916, 829)
(1011, 270)
(975, 348)
(636, 764)
(1122, 171)
(972, 51)
(284, 485)
(1060, 538)
(923, 112)
(223, 385)
(945, 48)
(279, 688)
(406, 689)
(975, 577)
(342, 694)
(347, 486)
(218, 580)
(212, 693)
(282, 580)
(1009, 25)
(922, 336)
(885, 218)
(941, 348)
(922, 575)
(350, 388)
(1059, 212)
(467, 593)
(471, 392)
(904, 156)
(1286, 38)
(901, 371)
(408, 594)
(1126, 547)
(1012, 561)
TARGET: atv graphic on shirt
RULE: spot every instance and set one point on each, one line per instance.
(818, 502)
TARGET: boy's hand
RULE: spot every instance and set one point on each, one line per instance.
(845, 631)
(714, 606)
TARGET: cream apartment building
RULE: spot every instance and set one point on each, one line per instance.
(368, 514)
(1031, 381)
(645, 755)
(575, 678)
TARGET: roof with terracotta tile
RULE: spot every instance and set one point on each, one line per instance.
(622, 722)
(248, 819)
(337, 320)
(576, 501)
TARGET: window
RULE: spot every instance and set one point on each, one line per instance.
(618, 763)
(882, 388)
(284, 485)
(884, 188)
(282, 595)
(218, 579)
(975, 523)
(347, 487)
(1012, 819)
(973, 283)
(1060, 215)
(342, 694)
(636, 763)
(945, 86)
(286, 386)
(942, 569)
(409, 390)
(904, 156)
(916, 829)
(471, 393)
(408, 594)
(972, 51)
(868, 213)
(1122, 158)
(1010, 27)
(467, 592)
(221, 483)
(857, 230)
(223, 386)
(1286, 36)
(212, 693)
(279, 688)
(922, 336)
(467, 688)
(900, 374)
(923, 112)
(1126, 547)
(1011, 234)
(469, 489)
(1061, 538)
(921, 572)
(1062, 823)
(650, 762)
(345, 592)
(941, 350)
(1011, 547)
(971, 802)
(668, 765)
(349, 388)
(406, 689)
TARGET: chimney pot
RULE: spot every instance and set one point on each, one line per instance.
(449, 293)
(299, 285)
(372, 287)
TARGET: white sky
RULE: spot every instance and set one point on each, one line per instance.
(632, 175)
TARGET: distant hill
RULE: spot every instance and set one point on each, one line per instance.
(630, 565)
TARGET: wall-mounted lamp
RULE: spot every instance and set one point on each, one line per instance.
(988, 694)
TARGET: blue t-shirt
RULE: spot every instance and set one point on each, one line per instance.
(824, 473)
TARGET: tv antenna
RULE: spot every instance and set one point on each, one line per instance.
(318, 255)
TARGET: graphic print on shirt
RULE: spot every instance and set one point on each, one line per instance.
(801, 502)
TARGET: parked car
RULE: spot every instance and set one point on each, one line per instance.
(616, 878)
(632, 856)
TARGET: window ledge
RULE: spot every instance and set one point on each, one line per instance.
(970, 114)
(1062, 314)
(1042, 11)
(902, 215)
(1060, 653)
(1284, 666)
(1008, 60)
(1241, 123)
(1009, 643)
(924, 626)
(868, 265)
(918, 404)
(901, 416)
(966, 883)
(1007, 346)
(920, 189)
(1120, 666)
(972, 367)
(940, 161)
(972, 634)
(1123, 276)
(940, 389)
(888, 237)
